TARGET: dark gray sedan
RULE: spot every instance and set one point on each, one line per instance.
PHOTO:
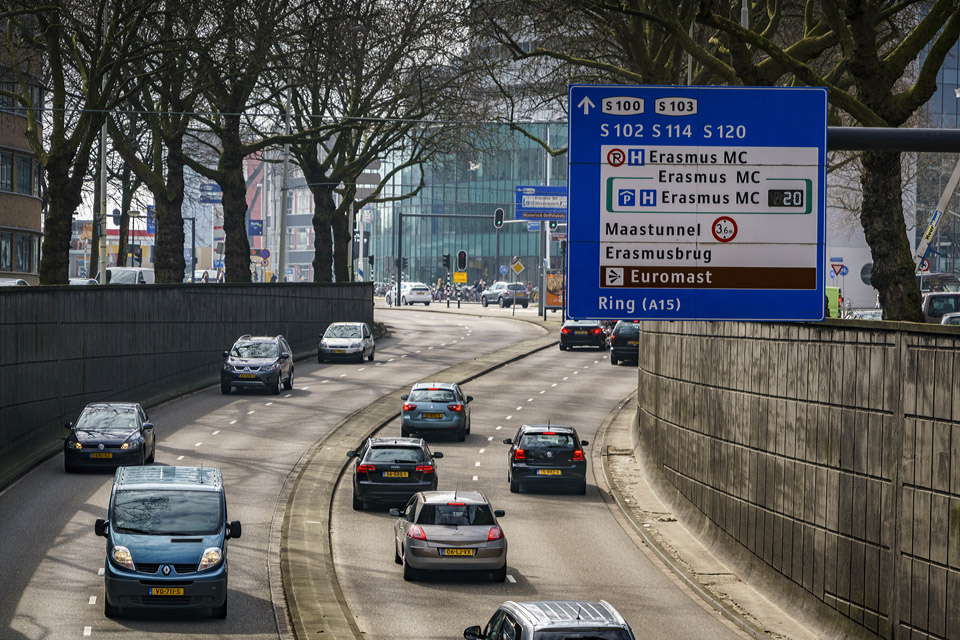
(109, 434)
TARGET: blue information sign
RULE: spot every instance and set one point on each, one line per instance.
(540, 203)
(254, 227)
(696, 203)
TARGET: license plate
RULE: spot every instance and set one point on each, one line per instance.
(247, 375)
(166, 591)
(580, 333)
(549, 472)
(101, 455)
(432, 415)
(456, 552)
(396, 474)
(634, 342)
(339, 350)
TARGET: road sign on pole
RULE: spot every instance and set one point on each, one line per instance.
(696, 202)
(541, 202)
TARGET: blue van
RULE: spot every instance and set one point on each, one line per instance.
(167, 533)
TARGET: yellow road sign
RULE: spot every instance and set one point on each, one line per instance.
(517, 267)
(460, 277)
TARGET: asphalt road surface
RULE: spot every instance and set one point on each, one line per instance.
(51, 563)
(561, 546)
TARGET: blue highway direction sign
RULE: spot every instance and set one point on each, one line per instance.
(540, 203)
(696, 203)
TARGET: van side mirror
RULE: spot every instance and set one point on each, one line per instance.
(233, 530)
(147, 426)
(69, 425)
(507, 441)
(499, 513)
(437, 454)
(100, 527)
(472, 633)
(284, 356)
(584, 443)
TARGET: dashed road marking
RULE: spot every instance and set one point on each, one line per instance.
(392, 359)
(544, 391)
(477, 463)
(305, 388)
(288, 395)
(198, 444)
(596, 362)
(529, 399)
(268, 404)
(575, 372)
(93, 599)
(233, 422)
(499, 427)
(490, 438)
(554, 384)
(482, 450)
(312, 522)
(511, 579)
(508, 417)
(518, 409)
(325, 382)
(251, 412)
(428, 348)
(404, 356)
(361, 368)
(179, 458)
(343, 375)
(418, 351)
(475, 478)
(214, 433)
(567, 378)
(100, 571)
(87, 631)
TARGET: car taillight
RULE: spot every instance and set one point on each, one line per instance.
(409, 407)
(612, 338)
(519, 454)
(455, 407)
(549, 433)
(578, 455)
(565, 330)
(495, 534)
(596, 330)
(363, 468)
(425, 468)
(416, 532)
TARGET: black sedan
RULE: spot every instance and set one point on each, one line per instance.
(547, 455)
(391, 470)
(625, 341)
(582, 333)
(109, 434)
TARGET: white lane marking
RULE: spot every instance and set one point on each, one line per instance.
(304, 388)
(288, 395)
(482, 450)
(428, 348)
(404, 356)
(576, 372)
(443, 344)
(544, 391)
(361, 368)
(100, 571)
(214, 433)
(477, 463)
(343, 375)
(392, 359)
(475, 478)
(325, 382)
(519, 408)
(554, 384)
(251, 412)
(179, 458)
(499, 427)
(508, 417)
(596, 362)
(379, 363)
(233, 422)
(511, 579)
(93, 599)
(198, 444)
(490, 438)
(418, 351)
(529, 399)
(268, 404)
(87, 631)
(567, 378)
(313, 522)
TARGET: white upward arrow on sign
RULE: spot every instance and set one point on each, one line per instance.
(585, 104)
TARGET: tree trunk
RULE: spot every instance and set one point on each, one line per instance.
(64, 198)
(234, 186)
(122, 238)
(342, 237)
(169, 262)
(323, 211)
(893, 273)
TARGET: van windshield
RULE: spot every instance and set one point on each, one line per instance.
(121, 277)
(167, 512)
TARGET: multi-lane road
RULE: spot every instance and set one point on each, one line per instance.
(561, 546)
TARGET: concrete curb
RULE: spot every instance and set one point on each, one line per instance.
(612, 495)
(314, 601)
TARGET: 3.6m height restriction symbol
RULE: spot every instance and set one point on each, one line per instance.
(724, 229)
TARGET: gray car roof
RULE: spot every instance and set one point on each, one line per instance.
(434, 385)
(416, 442)
(551, 427)
(443, 497)
(549, 613)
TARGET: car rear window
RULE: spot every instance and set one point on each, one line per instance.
(431, 395)
(167, 512)
(547, 441)
(395, 454)
(583, 634)
(342, 331)
(107, 418)
(630, 329)
(517, 287)
(456, 514)
(255, 350)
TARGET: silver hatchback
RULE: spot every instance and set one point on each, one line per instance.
(346, 341)
(449, 531)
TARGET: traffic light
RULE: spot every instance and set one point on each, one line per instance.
(370, 259)
(498, 218)
(446, 260)
(462, 260)
(563, 247)
(406, 262)
(553, 225)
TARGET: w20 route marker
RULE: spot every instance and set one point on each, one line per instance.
(696, 203)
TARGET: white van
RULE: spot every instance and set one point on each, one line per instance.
(130, 275)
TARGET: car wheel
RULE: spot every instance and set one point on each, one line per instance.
(602, 347)
(319, 358)
(483, 302)
(582, 488)
(153, 454)
(525, 305)
(426, 304)
(68, 468)
(461, 434)
(372, 351)
(109, 610)
(224, 387)
(357, 504)
(404, 433)
(514, 487)
(562, 348)
(396, 555)
(499, 575)
(403, 301)
(613, 358)
(409, 573)
(276, 389)
(289, 383)
(501, 303)
(220, 613)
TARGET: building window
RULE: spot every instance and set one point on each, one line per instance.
(23, 252)
(6, 100)
(6, 251)
(6, 171)
(36, 255)
(36, 179)
(24, 174)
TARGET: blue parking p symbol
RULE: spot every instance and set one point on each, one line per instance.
(626, 197)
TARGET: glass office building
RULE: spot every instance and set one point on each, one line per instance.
(454, 211)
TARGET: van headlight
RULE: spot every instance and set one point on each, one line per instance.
(121, 555)
(211, 558)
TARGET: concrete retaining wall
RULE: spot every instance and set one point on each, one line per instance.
(830, 453)
(63, 347)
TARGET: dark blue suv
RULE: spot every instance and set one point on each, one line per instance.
(167, 533)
